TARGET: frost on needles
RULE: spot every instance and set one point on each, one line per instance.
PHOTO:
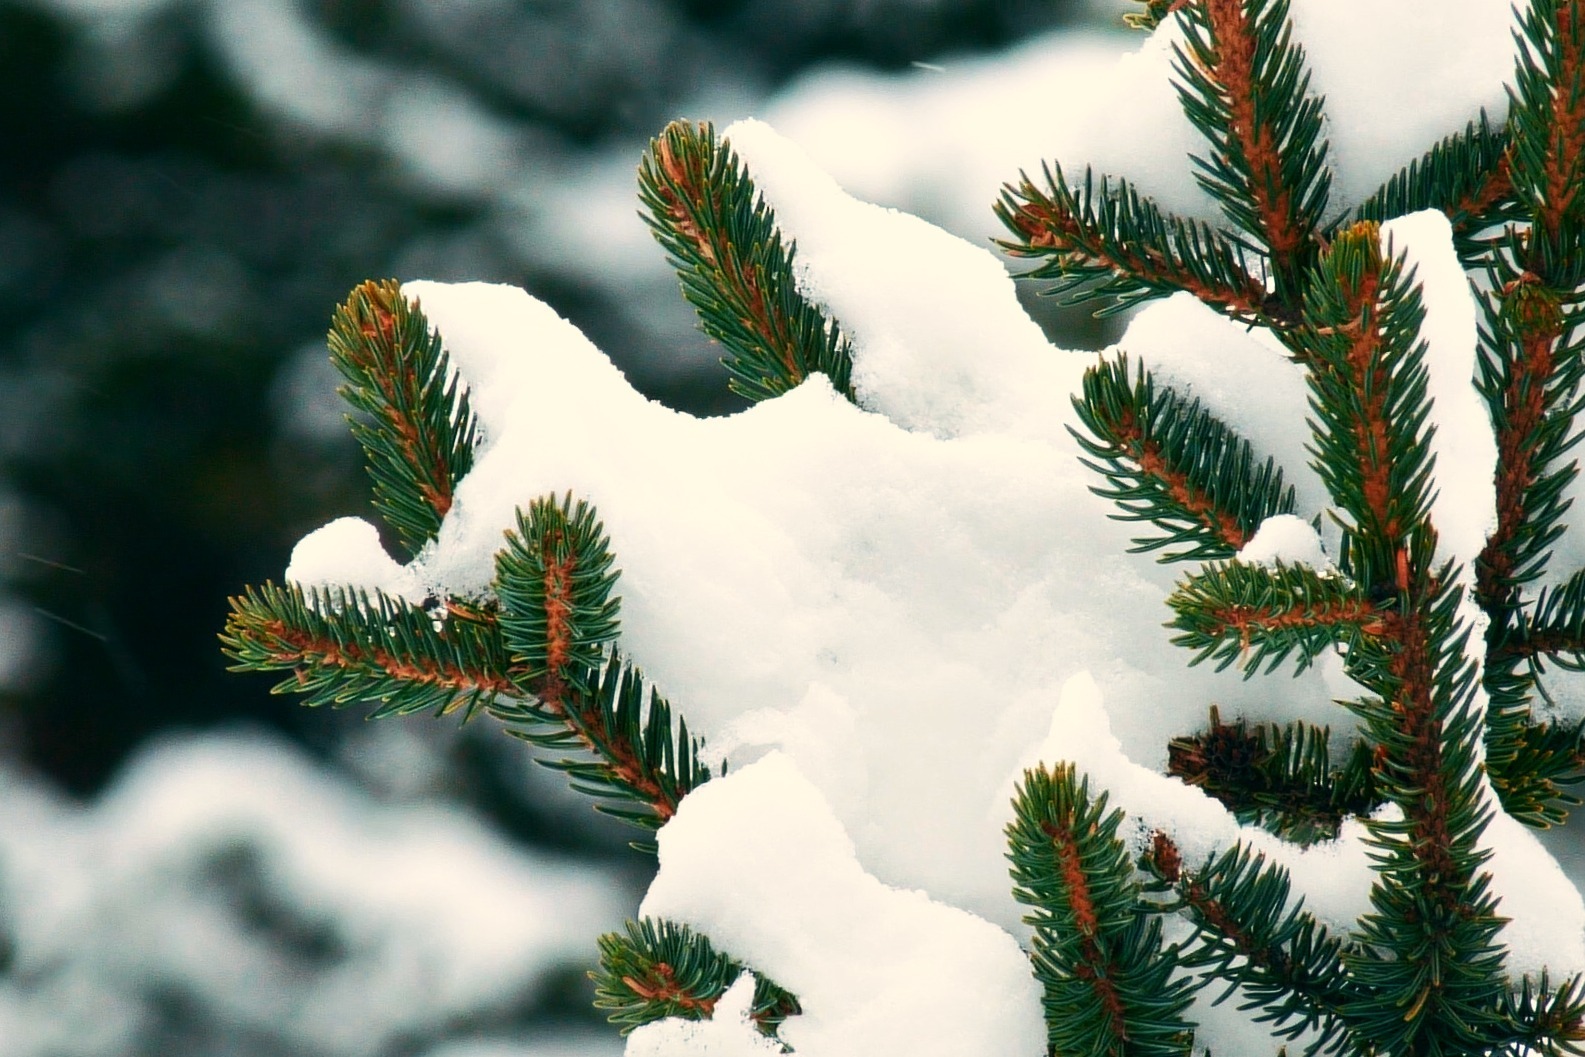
(853, 654)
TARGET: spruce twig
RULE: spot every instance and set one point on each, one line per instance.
(1253, 938)
(1244, 85)
(1174, 464)
(722, 239)
(416, 427)
(1112, 242)
(1097, 949)
(1278, 777)
(656, 968)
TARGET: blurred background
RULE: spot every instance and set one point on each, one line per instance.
(189, 865)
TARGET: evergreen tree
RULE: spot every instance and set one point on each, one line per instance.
(1450, 731)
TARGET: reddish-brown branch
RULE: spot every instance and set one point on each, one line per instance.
(296, 648)
(665, 988)
(1094, 970)
(1233, 37)
(1147, 455)
(686, 192)
(1525, 403)
(1045, 226)
(1567, 139)
(380, 357)
(1494, 186)
(1429, 809)
(1222, 523)
(1367, 377)
(1251, 620)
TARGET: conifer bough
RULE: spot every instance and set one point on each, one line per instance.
(1450, 652)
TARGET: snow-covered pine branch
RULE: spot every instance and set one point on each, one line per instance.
(902, 615)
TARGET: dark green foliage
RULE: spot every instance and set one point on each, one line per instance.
(628, 753)
(416, 428)
(1465, 176)
(1546, 125)
(1278, 777)
(1361, 341)
(554, 581)
(1113, 243)
(1175, 465)
(1251, 937)
(656, 968)
(1543, 1019)
(1097, 949)
(1258, 615)
(1244, 85)
(722, 238)
(346, 646)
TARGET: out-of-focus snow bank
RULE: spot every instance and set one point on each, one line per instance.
(228, 893)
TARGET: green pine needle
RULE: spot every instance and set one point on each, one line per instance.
(1113, 243)
(722, 239)
(415, 424)
(654, 969)
(1254, 615)
(1251, 937)
(626, 750)
(346, 646)
(1466, 177)
(1109, 983)
(1174, 464)
(554, 580)
(1243, 84)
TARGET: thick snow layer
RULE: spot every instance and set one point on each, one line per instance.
(877, 969)
(277, 903)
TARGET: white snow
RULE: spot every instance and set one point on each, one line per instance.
(1285, 539)
(880, 616)
(877, 969)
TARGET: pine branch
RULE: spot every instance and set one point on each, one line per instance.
(1097, 949)
(1555, 631)
(633, 758)
(1243, 84)
(1254, 614)
(554, 580)
(655, 969)
(1250, 936)
(1368, 391)
(1115, 243)
(1546, 121)
(1428, 955)
(723, 240)
(1174, 464)
(1544, 1020)
(1529, 375)
(537, 660)
(1466, 176)
(1278, 777)
(417, 429)
(344, 646)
